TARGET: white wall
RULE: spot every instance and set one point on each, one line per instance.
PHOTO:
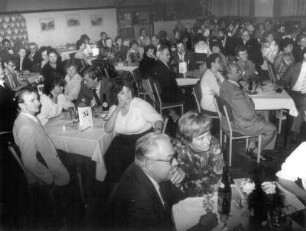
(63, 34)
(168, 26)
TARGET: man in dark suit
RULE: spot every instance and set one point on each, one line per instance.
(295, 79)
(166, 77)
(8, 107)
(228, 43)
(93, 89)
(245, 119)
(298, 47)
(183, 55)
(23, 63)
(253, 48)
(147, 191)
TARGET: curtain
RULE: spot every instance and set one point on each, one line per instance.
(292, 7)
(228, 7)
(13, 27)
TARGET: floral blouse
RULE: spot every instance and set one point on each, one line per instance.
(203, 169)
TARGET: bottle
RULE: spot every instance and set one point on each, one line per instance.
(225, 193)
(105, 106)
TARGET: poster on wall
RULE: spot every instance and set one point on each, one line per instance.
(47, 24)
(96, 19)
(73, 20)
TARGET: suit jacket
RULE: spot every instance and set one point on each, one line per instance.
(291, 75)
(297, 53)
(8, 109)
(136, 204)
(254, 50)
(26, 64)
(245, 118)
(189, 57)
(229, 46)
(168, 85)
(86, 94)
(32, 139)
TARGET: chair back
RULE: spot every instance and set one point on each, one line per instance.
(224, 111)
(154, 95)
(197, 93)
(272, 73)
(165, 124)
(200, 58)
(14, 150)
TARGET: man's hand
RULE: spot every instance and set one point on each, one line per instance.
(208, 221)
(177, 175)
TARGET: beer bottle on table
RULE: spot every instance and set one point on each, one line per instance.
(225, 194)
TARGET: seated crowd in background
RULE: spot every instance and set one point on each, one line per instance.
(228, 54)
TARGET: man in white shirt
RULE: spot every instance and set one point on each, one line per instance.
(295, 78)
(293, 170)
(147, 191)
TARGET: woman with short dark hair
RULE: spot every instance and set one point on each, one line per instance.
(130, 118)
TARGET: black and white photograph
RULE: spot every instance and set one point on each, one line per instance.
(173, 115)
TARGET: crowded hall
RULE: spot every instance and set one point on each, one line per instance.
(153, 115)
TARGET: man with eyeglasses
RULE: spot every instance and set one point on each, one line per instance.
(147, 189)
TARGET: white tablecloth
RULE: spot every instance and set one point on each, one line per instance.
(126, 68)
(274, 101)
(187, 213)
(186, 81)
(92, 142)
(65, 53)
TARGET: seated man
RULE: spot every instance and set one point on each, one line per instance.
(246, 66)
(166, 77)
(295, 79)
(246, 120)
(93, 89)
(182, 55)
(23, 63)
(32, 139)
(292, 171)
(147, 191)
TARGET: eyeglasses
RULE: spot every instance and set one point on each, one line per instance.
(205, 136)
(170, 162)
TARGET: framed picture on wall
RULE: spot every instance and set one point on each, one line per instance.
(73, 20)
(96, 19)
(47, 24)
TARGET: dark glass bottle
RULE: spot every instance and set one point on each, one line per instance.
(225, 193)
(105, 106)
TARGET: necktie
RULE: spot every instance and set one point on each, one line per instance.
(303, 88)
(96, 96)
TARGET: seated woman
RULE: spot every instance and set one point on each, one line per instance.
(109, 51)
(130, 118)
(53, 101)
(133, 55)
(80, 46)
(73, 81)
(121, 49)
(54, 68)
(284, 58)
(43, 58)
(199, 154)
(85, 38)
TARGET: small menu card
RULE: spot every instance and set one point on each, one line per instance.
(182, 67)
(85, 117)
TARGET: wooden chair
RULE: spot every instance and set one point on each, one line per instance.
(225, 113)
(158, 103)
(141, 92)
(165, 124)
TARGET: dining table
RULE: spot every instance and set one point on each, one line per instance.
(92, 142)
(126, 67)
(186, 214)
(267, 99)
